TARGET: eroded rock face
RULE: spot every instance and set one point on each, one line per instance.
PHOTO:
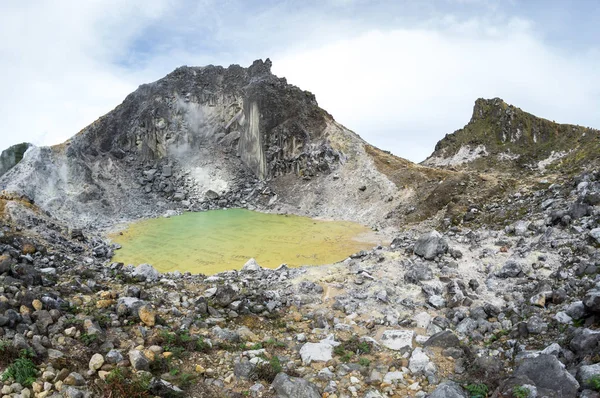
(11, 156)
(201, 138)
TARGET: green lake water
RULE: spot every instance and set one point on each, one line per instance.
(219, 240)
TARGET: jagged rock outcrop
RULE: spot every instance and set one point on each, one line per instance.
(11, 156)
(502, 137)
(206, 137)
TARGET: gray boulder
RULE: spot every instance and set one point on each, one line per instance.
(589, 394)
(72, 392)
(420, 272)
(225, 295)
(548, 373)
(211, 195)
(595, 234)
(443, 339)
(251, 266)
(162, 388)
(448, 389)
(592, 300)
(511, 269)
(586, 373)
(576, 310)
(585, 341)
(316, 352)
(138, 360)
(244, 368)
(430, 245)
(5, 263)
(294, 387)
(113, 357)
(521, 228)
(145, 272)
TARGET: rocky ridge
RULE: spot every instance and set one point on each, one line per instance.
(504, 138)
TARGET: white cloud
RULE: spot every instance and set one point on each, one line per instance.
(57, 65)
(404, 89)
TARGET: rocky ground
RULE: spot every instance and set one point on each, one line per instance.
(477, 309)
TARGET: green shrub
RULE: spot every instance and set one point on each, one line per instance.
(180, 342)
(22, 370)
(267, 370)
(177, 351)
(364, 362)
(339, 350)
(201, 345)
(477, 390)
(88, 339)
(594, 381)
(186, 379)
(121, 383)
(346, 357)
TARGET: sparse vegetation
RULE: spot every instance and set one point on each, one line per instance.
(88, 339)
(477, 390)
(595, 382)
(520, 392)
(267, 370)
(22, 371)
(122, 384)
(178, 343)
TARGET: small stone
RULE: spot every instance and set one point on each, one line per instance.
(74, 379)
(251, 266)
(48, 375)
(37, 387)
(71, 332)
(71, 392)
(138, 360)
(114, 357)
(96, 362)
(147, 315)
(104, 303)
(420, 363)
(37, 304)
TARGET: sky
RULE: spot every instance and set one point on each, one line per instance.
(402, 74)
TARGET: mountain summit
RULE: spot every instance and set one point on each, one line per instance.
(206, 137)
(502, 137)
